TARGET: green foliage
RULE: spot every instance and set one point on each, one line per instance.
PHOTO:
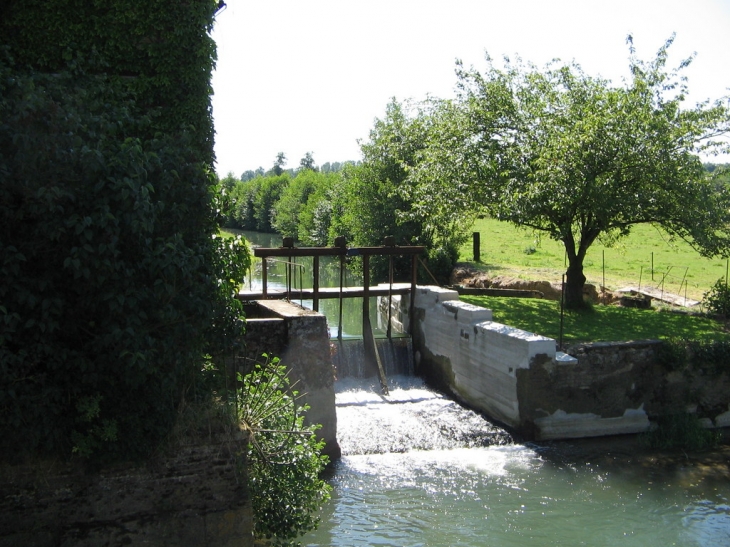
(374, 200)
(314, 227)
(225, 200)
(561, 152)
(284, 457)
(292, 200)
(441, 262)
(157, 51)
(711, 357)
(252, 202)
(717, 299)
(681, 431)
(113, 287)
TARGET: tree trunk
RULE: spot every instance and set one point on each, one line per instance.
(574, 283)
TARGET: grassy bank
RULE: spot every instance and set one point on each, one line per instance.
(514, 252)
(602, 323)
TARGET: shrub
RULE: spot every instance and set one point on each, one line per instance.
(717, 299)
(284, 458)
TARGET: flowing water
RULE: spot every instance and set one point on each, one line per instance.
(420, 470)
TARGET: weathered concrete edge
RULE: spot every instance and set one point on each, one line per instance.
(520, 380)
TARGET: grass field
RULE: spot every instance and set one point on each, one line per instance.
(602, 323)
(516, 252)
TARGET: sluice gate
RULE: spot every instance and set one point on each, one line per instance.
(288, 253)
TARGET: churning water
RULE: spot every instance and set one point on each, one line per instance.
(419, 470)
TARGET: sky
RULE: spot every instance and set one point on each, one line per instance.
(298, 76)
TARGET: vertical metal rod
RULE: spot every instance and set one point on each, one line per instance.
(652, 265)
(562, 314)
(390, 294)
(412, 304)
(339, 322)
(366, 284)
(682, 283)
(301, 283)
(263, 276)
(315, 283)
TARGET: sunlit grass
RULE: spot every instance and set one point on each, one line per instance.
(601, 323)
(510, 251)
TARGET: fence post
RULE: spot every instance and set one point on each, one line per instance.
(476, 245)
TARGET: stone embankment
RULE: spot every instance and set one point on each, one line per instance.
(466, 276)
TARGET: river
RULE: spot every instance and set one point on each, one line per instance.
(420, 470)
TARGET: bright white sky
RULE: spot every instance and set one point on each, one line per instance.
(299, 76)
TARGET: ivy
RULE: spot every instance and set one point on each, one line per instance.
(115, 289)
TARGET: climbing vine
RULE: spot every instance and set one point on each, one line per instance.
(115, 288)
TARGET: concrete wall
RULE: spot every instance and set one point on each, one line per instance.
(193, 496)
(300, 338)
(519, 379)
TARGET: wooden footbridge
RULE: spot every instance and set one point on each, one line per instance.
(288, 253)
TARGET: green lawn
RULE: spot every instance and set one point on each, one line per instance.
(602, 323)
(515, 252)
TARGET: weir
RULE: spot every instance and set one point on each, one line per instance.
(288, 252)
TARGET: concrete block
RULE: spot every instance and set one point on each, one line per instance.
(561, 425)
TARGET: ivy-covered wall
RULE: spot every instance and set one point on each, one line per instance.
(116, 294)
(160, 50)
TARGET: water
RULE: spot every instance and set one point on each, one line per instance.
(419, 470)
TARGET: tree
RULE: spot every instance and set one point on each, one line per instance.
(285, 213)
(307, 163)
(368, 200)
(279, 164)
(570, 155)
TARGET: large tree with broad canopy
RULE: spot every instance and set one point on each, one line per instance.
(577, 158)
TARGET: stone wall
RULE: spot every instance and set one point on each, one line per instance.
(192, 497)
(299, 337)
(519, 379)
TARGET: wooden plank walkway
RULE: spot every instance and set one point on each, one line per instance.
(329, 292)
(662, 296)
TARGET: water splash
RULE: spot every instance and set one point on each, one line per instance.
(412, 417)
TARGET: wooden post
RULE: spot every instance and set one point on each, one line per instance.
(477, 245)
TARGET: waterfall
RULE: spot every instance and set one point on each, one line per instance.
(411, 417)
(396, 355)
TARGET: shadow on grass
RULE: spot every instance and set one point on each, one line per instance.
(601, 323)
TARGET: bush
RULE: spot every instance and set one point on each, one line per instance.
(441, 263)
(284, 459)
(717, 299)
